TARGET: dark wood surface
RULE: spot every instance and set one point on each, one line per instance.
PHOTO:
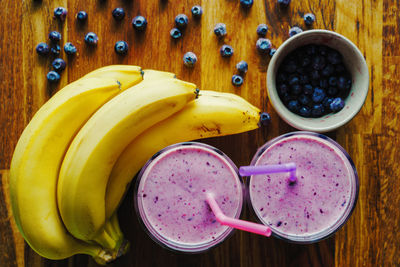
(372, 235)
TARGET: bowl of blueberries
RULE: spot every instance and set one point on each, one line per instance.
(317, 80)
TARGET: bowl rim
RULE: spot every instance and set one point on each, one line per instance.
(295, 120)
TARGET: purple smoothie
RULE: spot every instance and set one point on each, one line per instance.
(171, 196)
(322, 198)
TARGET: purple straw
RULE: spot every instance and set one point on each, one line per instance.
(267, 169)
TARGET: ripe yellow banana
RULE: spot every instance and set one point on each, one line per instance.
(37, 160)
(88, 162)
(212, 114)
(157, 75)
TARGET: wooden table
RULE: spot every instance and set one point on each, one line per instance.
(370, 238)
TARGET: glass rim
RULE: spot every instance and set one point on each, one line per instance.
(176, 246)
(326, 233)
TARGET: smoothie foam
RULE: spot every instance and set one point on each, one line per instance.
(171, 196)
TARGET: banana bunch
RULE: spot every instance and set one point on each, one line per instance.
(76, 158)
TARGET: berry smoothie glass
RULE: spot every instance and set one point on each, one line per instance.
(319, 202)
(170, 196)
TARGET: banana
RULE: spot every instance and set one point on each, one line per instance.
(212, 114)
(88, 162)
(37, 160)
(155, 74)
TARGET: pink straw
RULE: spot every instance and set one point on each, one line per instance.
(236, 223)
(267, 169)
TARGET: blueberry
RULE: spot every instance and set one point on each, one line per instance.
(290, 66)
(283, 3)
(317, 110)
(283, 88)
(226, 50)
(81, 16)
(189, 59)
(181, 21)
(242, 66)
(323, 50)
(327, 103)
(294, 30)
(246, 3)
(332, 91)
(293, 106)
(53, 76)
(55, 50)
(55, 36)
(60, 13)
(58, 64)
(318, 63)
(337, 104)
(118, 13)
(272, 52)
(175, 33)
(305, 61)
(286, 97)
(121, 47)
(315, 75)
(308, 89)
(69, 48)
(305, 111)
(334, 57)
(318, 95)
(281, 77)
(301, 71)
(262, 30)
(339, 68)
(311, 50)
(304, 79)
(309, 19)
(197, 11)
(296, 89)
(341, 83)
(139, 23)
(323, 83)
(220, 30)
(328, 70)
(42, 49)
(263, 45)
(304, 100)
(237, 80)
(293, 79)
(91, 38)
(332, 81)
(265, 119)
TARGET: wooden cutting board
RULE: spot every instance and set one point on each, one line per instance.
(370, 238)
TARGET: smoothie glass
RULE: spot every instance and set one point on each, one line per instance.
(170, 196)
(319, 202)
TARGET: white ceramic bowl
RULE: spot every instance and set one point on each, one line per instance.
(354, 62)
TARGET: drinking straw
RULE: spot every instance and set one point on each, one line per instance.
(267, 169)
(236, 223)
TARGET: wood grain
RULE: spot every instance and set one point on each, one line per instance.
(370, 238)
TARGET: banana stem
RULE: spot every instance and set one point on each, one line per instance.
(107, 241)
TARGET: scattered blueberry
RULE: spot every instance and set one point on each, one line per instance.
(242, 66)
(69, 48)
(309, 19)
(237, 80)
(53, 76)
(175, 33)
(220, 30)
(81, 16)
(246, 3)
(55, 36)
(337, 104)
(139, 23)
(294, 105)
(265, 119)
(181, 21)
(60, 13)
(118, 13)
(226, 50)
(318, 95)
(91, 38)
(272, 52)
(317, 110)
(294, 30)
(58, 64)
(42, 49)
(55, 50)
(308, 89)
(263, 45)
(262, 30)
(189, 59)
(197, 11)
(283, 3)
(305, 111)
(121, 47)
